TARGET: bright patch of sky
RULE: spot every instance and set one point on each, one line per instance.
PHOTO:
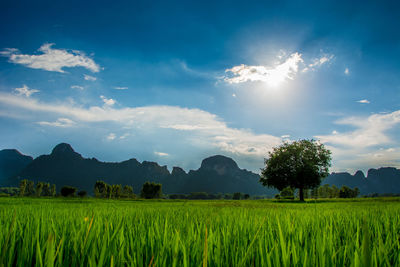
(179, 81)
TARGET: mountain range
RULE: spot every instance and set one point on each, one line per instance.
(217, 174)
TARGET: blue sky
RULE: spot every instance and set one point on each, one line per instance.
(177, 81)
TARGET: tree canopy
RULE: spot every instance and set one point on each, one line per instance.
(300, 164)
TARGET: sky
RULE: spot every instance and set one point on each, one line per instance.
(178, 81)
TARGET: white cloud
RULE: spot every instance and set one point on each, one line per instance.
(234, 95)
(197, 127)
(124, 136)
(24, 90)
(51, 59)
(346, 71)
(370, 131)
(89, 78)
(285, 136)
(318, 62)
(161, 154)
(108, 101)
(77, 87)
(271, 75)
(362, 147)
(121, 88)
(111, 136)
(60, 122)
(363, 101)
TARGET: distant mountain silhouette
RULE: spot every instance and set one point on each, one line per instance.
(382, 181)
(217, 174)
(64, 166)
(11, 163)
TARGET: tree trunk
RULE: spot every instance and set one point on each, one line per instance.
(301, 194)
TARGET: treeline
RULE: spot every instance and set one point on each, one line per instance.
(28, 188)
(205, 195)
(324, 191)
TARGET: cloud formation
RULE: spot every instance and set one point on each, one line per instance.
(51, 59)
(369, 144)
(121, 88)
(318, 62)
(77, 87)
(111, 136)
(161, 154)
(363, 101)
(60, 122)
(195, 126)
(274, 75)
(24, 90)
(89, 78)
(271, 75)
(108, 101)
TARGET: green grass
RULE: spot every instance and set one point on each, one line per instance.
(59, 232)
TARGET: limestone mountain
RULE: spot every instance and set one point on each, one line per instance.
(11, 163)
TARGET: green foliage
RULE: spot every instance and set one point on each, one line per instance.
(22, 187)
(82, 193)
(104, 190)
(237, 195)
(300, 164)
(68, 191)
(9, 191)
(346, 192)
(39, 188)
(100, 189)
(53, 191)
(151, 190)
(287, 193)
(127, 192)
(44, 232)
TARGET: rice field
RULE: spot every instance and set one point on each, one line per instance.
(91, 232)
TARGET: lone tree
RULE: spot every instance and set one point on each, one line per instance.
(301, 164)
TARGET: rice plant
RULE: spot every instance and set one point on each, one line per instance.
(92, 232)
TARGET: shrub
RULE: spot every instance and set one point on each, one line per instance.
(151, 190)
(68, 191)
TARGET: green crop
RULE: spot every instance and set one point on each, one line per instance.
(72, 232)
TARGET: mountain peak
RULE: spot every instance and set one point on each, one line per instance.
(64, 150)
(219, 163)
(359, 174)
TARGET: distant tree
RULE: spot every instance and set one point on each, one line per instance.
(334, 192)
(68, 191)
(198, 195)
(314, 192)
(30, 188)
(324, 191)
(53, 191)
(82, 193)
(46, 190)
(237, 195)
(39, 189)
(100, 189)
(300, 164)
(287, 193)
(346, 192)
(127, 191)
(22, 187)
(116, 191)
(177, 196)
(228, 196)
(9, 191)
(151, 190)
(246, 196)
